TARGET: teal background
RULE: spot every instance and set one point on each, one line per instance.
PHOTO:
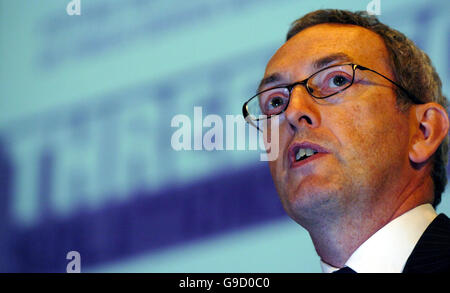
(91, 91)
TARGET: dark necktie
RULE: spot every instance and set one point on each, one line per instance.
(345, 270)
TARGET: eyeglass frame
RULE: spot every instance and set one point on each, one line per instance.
(304, 82)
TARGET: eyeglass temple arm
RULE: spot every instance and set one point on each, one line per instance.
(411, 96)
(247, 116)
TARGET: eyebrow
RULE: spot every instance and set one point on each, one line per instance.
(327, 60)
(275, 77)
(316, 65)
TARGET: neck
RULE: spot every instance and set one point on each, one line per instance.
(335, 240)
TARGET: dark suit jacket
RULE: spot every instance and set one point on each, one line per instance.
(432, 252)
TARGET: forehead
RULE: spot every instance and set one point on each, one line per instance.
(296, 56)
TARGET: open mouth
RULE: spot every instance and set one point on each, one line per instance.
(301, 153)
(304, 153)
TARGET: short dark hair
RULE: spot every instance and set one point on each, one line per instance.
(411, 66)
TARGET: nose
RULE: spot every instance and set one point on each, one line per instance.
(302, 110)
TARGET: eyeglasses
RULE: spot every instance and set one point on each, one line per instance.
(323, 84)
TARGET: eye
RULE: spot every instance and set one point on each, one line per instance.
(275, 102)
(338, 81)
(275, 105)
(330, 81)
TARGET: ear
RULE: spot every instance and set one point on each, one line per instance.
(430, 126)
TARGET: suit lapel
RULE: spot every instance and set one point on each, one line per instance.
(432, 251)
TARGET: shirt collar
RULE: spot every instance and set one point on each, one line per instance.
(389, 248)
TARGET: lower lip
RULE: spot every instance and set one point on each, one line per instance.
(297, 164)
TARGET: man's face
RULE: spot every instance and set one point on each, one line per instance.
(361, 136)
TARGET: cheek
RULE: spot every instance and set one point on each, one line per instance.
(276, 136)
(373, 137)
(278, 173)
(278, 168)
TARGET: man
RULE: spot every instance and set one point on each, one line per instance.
(362, 143)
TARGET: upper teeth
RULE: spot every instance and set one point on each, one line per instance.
(304, 152)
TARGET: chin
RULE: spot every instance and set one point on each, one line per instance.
(308, 202)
